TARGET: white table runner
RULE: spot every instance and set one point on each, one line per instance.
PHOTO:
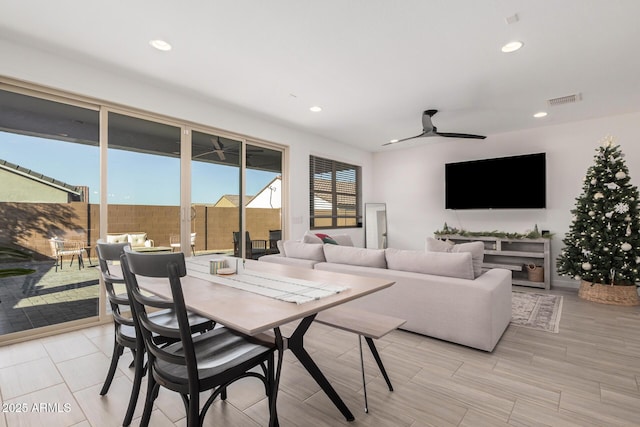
(270, 285)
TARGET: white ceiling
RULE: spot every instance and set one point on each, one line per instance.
(372, 65)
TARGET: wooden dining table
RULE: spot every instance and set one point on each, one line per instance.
(254, 314)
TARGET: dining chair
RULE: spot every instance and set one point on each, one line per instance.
(124, 329)
(210, 361)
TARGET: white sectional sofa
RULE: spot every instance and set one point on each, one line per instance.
(442, 293)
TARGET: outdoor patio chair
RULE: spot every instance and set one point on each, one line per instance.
(193, 364)
(174, 242)
(124, 330)
(254, 249)
(274, 236)
(61, 248)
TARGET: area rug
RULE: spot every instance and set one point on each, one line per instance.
(536, 311)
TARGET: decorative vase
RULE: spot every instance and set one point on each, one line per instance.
(608, 294)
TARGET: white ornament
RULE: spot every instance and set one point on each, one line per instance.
(586, 266)
(609, 214)
(612, 186)
(621, 208)
(594, 181)
(598, 195)
(592, 214)
(621, 175)
(628, 232)
(577, 277)
(627, 218)
(625, 247)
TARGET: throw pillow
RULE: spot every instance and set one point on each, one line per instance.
(475, 248)
(342, 239)
(355, 256)
(138, 239)
(458, 265)
(309, 237)
(117, 238)
(326, 239)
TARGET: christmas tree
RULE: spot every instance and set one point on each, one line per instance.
(603, 243)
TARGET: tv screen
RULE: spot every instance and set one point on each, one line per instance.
(517, 182)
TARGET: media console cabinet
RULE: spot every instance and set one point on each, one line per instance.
(515, 255)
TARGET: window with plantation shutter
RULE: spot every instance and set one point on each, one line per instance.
(334, 194)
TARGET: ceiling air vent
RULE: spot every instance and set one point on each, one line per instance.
(569, 99)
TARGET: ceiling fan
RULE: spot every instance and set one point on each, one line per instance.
(218, 149)
(428, 129)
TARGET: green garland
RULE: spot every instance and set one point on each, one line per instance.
(534, 234)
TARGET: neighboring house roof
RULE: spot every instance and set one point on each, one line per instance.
(36, 176)
(270, 197)
(230, 200)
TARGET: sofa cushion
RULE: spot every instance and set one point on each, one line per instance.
(458, 265)
(475, 248)
(302, 250)
(117, 238)
(137, 239)
(355, 256)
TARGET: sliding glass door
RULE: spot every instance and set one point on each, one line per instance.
(263, 213)
(49, 216)
(73, 171)
(215, 193)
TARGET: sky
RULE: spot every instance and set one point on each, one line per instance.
(133, 178)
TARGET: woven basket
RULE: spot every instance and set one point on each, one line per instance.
(535, 273)
(607, 294)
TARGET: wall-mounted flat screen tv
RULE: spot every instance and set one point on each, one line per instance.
(517, 182)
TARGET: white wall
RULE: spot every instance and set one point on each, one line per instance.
(50, 69)
(411, 181)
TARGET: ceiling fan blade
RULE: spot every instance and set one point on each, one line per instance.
(218, 147)
(423, 134)
(460, 135)
(428, 129)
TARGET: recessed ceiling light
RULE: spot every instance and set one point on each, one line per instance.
(540, 114)
(394, 140)
(512, 46)
(160, 45)
(315, 109)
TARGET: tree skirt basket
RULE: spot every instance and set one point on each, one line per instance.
(607, 294)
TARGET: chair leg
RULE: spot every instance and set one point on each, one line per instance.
(152, 393)
(117, 352)
(135, 390)
(272, 391)
(193, 415)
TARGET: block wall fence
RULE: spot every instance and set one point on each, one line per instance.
(31, 225)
